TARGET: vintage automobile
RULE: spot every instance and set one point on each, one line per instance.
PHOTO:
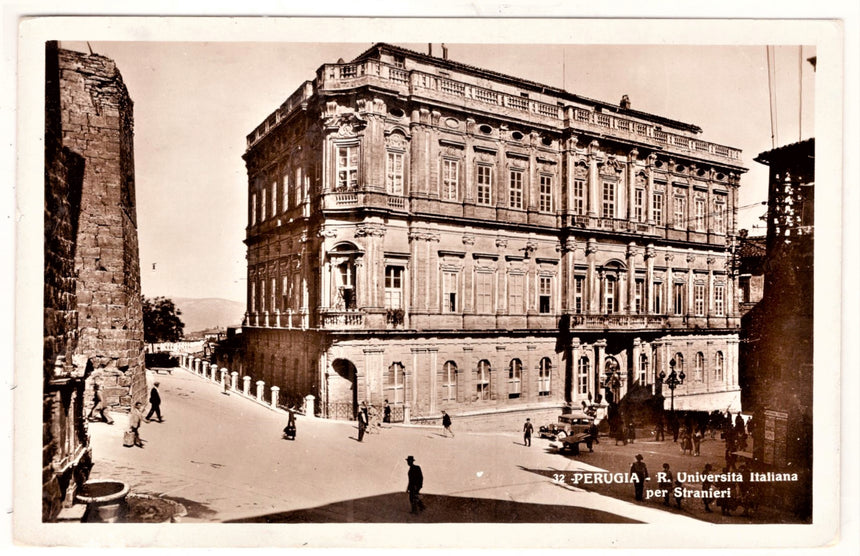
(570, 431)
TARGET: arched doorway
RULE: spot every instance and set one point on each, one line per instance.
(342, 390)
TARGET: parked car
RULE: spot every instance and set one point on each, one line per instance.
(571, 430)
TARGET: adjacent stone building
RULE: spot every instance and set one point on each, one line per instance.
(93, 328)
(447, 237)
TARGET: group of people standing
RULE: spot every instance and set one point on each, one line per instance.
(368, 419)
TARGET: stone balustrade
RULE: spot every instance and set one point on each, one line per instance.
(228, 380)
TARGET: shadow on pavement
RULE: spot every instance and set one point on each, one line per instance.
(394, 508)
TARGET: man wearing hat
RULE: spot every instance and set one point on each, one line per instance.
(416, 481)
(640, 472)
(527, 432)
(155, 402)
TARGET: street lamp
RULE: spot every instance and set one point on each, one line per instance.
(672, 381)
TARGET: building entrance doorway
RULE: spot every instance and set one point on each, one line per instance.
(342, 390)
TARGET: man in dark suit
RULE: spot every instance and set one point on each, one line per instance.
(416, 483)
(362, 421)
(155, 402)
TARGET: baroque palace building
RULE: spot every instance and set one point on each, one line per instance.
(446, 237)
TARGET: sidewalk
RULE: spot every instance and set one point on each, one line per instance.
(224, 458)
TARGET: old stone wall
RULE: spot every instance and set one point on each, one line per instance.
(97, 123)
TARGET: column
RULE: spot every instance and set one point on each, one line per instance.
(599, 364)
(434, 376)
(593, 198)
(649, 190)
(631, 184)
(631, 278)
(591, 306)
(649, 278)
(670, 285)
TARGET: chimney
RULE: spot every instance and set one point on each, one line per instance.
(429, 48)
(444, 51)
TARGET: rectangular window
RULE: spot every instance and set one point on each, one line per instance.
(253, 297)
(578, 290)
(484, 293)
(273, 294)
(678, 298)
(579, 196)
(639, 205)
(719, 300)
(394, 175)
(700, 215)
(274, 198)
(545, 295)
(298, 186)
(657, 208)
(253, 208)
(485, 185)
(262, 295)
(545, 194)
(347, 168)
(745, 287)
(286, 192)
(582, 375)
(393, 287)
(516, 189)
(719, 218)
(515, 294)
(699, 299)
(262, 204)
(285, 297)
(658, 298)
(609, 296)
(450, 179)
(639, 294)
(608, 200)
(680, 216)
(449, 292)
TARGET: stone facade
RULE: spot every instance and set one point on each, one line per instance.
(92, 319)
(446, 237)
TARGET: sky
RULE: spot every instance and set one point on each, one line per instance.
(195, 102)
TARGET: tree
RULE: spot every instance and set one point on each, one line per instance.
(161, 322)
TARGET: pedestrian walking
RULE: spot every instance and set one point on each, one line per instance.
(134, 420)
(640, 471)
(675, 425)
(697, 442)
(155, 403)
(631, 432)
(386, 413)
(99, 407)
(362, 421)
(706, 487)
(528, 428)
(416, 483)
(660, 435)
(290, 429)
(666, 480)
(372, 419)
(446, 424)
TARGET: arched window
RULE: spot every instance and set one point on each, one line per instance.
(394, 384)
(643, 369)
(515, 376)
(700, 366)
(544, 376)
(449, 381)
(582, 376)
(679, 362)
(719, 362)
(482, 380)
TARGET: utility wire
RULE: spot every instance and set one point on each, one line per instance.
(771, 93)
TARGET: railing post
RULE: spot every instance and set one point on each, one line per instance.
(275, 391)
(224, 379)
(260, 385)
(406, 416)
(234, 380)
(205, 366)
(246, 385)
(277, 318)
(309, 406)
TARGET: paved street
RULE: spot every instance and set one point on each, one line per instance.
(223, 458)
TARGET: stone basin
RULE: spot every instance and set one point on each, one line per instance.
(105, 499)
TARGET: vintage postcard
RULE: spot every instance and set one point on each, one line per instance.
(428, 283)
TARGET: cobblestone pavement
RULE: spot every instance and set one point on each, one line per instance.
(223, 458)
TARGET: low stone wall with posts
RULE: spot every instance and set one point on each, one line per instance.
(229, 382)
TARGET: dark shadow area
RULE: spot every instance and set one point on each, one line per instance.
(394, 508)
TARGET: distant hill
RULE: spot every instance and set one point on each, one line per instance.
(210, 312)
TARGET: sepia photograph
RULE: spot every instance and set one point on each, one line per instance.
(429, 283)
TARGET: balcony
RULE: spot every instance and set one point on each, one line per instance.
(349, 199)
(618, 322)
(340, 319)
